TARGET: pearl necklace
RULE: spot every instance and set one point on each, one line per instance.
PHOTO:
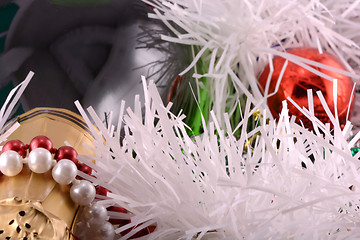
(64, 171)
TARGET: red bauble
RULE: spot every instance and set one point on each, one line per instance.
(42, 142)
(66, 152)
(296, 80)
(15, 145)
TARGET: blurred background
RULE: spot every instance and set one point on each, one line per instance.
(94, 51)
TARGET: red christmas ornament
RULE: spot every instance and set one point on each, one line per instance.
(296, 80)
(42, 142)
(66, 152)
(15, 145)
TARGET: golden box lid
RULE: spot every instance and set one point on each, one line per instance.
(49, 203)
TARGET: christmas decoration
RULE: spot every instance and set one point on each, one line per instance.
(288, 183)
(66, 152)
(42, 186)
(177, 183)
(232, 42)
(15, 145)
(288, 80)
(41, 142)
(64, 171)
(242, 174)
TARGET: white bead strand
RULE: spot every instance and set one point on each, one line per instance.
(64, 172)
(106, 232)
(83, 193)
(40, 160)
(11, 163)
(95, 214)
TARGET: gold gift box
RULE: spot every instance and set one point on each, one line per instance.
(34, 206)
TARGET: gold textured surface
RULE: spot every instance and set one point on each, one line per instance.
(29, 220)
(39, 191)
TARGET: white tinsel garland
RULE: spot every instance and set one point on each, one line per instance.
(212, 187)
(239, 37)
(8, 107)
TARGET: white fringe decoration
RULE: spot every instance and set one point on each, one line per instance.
(8, 107)
(211, 187)
(242, 36)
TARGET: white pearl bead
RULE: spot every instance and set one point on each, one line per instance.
(83, 193)
(40, 160)
(10, 163)
(95, 214)
(107, 231)
(64, 171)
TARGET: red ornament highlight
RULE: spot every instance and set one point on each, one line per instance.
(15, 145)
(66, 152)
(41, 142)
(296, 80)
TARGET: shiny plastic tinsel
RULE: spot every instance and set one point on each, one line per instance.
(235, 39)
(287, 183)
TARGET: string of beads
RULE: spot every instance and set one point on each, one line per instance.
(65, 167)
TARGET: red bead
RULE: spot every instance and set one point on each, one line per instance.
(101, 190)
(120, 222)
(66, 152)
(117, 209)
(85, 169)
(15, 145)
(42, 142)
(296, 80)
(151, 228)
